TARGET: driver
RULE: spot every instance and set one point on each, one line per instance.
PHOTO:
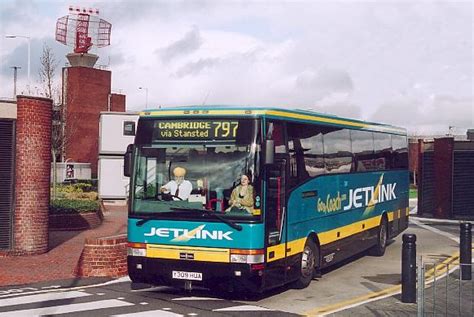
(179, 187)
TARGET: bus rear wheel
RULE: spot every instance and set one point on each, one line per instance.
(382, 235)
(309, 264)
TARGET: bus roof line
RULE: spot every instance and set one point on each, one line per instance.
(274, 113)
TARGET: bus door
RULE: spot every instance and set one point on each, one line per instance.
(275, 223)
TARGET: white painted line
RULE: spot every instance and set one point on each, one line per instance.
(64, 309)
(77, 288)
(101, 294)
(434, 230)
(143, 303)
(52, 286)
(243, 308)
(150, 313)
(40, 298)
(195, 298)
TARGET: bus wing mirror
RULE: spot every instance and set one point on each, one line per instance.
(127, 166)
(269, 152)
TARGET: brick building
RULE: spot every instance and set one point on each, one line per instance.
(25, 165)
(445, 169)
(86, 93)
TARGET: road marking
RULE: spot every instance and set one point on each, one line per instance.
(370, 297)
(196, 298)
(52, 286)
(64, 309)
(243, 308)
(434, 230)
(149, 313)
(77, 288)
(40, 298)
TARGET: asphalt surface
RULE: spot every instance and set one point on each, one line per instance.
(354, 288)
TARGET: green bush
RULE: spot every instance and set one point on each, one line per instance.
(70, 206)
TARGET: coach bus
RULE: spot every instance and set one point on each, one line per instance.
(268, 196)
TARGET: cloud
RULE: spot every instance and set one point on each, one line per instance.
(429, 114)
(190, 43)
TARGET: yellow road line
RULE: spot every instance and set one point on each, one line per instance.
(439, 269)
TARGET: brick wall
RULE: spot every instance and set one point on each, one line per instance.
(117, 102)
(87, 94)
(32, 183)
(104, 257)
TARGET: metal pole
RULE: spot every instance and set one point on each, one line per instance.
(29, 60)
(15, 76)
(465, 250)
(409, 268)
(421, 289)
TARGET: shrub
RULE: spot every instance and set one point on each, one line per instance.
(70, 206)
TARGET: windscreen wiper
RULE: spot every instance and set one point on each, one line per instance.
(210, 213)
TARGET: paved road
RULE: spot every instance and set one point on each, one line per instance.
(340, 289)
(117, 300)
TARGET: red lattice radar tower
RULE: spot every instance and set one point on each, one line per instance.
(82, 29)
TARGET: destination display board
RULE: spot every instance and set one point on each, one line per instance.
(195, 130)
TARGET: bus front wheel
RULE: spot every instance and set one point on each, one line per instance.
(382, 235)
(309, 263)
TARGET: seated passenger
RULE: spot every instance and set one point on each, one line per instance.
(241, 198)
(179, 187)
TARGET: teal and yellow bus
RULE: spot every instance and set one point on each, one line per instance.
(254, 198)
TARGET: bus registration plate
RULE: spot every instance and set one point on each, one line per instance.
(193, 276)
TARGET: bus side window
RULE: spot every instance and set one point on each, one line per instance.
(363, 149)
(337, 151)
(400, 152)
(383, 151)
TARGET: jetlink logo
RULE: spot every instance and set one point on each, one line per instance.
(184, 235)
(370, 196)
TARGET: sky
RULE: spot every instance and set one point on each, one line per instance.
(406, 63)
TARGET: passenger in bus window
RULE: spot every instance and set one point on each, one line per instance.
(179, 188)
(241, 198)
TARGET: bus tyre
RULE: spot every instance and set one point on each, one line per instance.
(379, 248)
(309, 263)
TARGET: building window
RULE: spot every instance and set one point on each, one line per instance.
(129, 128)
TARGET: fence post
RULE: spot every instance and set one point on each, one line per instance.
(409, 268)
(465, 250)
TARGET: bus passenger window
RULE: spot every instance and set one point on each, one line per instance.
(363, 149)
(383, 151)
(337, 151)
(400, 152)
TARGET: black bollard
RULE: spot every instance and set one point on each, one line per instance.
(465, 251)
(409, 268)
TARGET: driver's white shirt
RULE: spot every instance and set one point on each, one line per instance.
(184, 189)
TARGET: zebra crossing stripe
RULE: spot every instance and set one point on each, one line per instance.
(243, 308)
(195, 298)
(149, 313)
(41, 298)
(64, 309)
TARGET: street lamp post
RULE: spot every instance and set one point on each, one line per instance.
(29, 53)
(146, 96)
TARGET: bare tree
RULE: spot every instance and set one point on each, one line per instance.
(47, 74)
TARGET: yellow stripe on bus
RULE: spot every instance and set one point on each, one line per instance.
(297, 246)
(278, 113)
(192, 253)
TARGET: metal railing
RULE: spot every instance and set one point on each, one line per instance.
(443, 289)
